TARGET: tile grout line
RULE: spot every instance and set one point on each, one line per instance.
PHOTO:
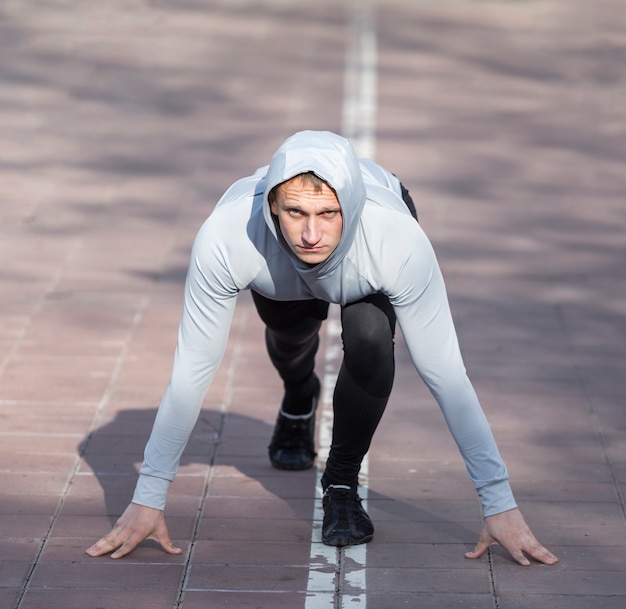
(493, 588)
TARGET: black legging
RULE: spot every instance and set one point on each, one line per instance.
(365, 377)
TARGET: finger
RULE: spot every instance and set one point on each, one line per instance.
(124, 549)
(519, 556)
(102, 546)
(479, 549)
(162, 537)
(128, 546)
(170, 548)
(541, 554)
(121, 552)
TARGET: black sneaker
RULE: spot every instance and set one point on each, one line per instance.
(345, 523)
(293, 443)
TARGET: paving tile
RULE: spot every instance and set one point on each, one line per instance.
(28, 505)
(429, 580)
(556, 580)
(20, 549)
(9, 596)
(243, 578)
(432, 510)
(103, 598)
(288, 552)
(266, 486)
(16, 463)
(89, 485)
(95, 331)
(115, 503)
(33, 421)
(538, 489)
(22, 480)
(76, 378)
(40, 443)
(419, 553)
(25, 526)
(458, 532)
(114, 574)
(255, 466)
(575, 601)
(245, 529)
(271, 508)
(256, 599)
(125, 421)
(610, 535)
(13, 573)
(438, 488)
(393, 600)
(121, 444)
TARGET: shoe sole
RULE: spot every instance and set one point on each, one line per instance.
(342, 542)
(291, 468)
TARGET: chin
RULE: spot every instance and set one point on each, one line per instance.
(312, 259)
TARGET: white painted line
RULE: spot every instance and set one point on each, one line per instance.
(360, 84)
(323, 559)
(359, 120)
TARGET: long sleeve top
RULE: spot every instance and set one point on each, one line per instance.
(382, 249)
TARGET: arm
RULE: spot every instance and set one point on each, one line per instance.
(423, 312)
(209, 304)
(424, 316)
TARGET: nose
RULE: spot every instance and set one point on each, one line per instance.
(312, 231)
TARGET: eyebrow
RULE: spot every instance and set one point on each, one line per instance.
(323, 210)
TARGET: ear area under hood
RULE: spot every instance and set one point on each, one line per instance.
(333, 159)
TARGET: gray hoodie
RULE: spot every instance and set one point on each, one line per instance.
(382, 249)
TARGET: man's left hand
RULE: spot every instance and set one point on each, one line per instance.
(509, 529)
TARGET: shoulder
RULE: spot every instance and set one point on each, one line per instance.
(375, 174)
(235, 211)
(393, 245)
(244, 190)
(234, 240)
(388, 219)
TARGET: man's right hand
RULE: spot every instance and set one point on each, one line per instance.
(135, 525)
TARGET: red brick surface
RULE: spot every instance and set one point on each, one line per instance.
(121, 123)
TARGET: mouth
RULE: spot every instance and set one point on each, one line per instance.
(310, 250)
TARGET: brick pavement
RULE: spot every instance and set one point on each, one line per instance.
(121, 125)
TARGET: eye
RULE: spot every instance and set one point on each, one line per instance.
(293, 212)
(331, 213)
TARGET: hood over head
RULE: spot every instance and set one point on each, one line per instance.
(333, 159)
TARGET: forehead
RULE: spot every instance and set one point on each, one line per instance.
(302, 186)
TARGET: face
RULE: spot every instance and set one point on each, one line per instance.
(309, 220)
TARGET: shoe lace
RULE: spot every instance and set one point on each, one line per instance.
(346, 501)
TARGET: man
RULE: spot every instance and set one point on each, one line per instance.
(319, 226)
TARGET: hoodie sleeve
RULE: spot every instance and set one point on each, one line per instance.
(209, 303)
(421, 304)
